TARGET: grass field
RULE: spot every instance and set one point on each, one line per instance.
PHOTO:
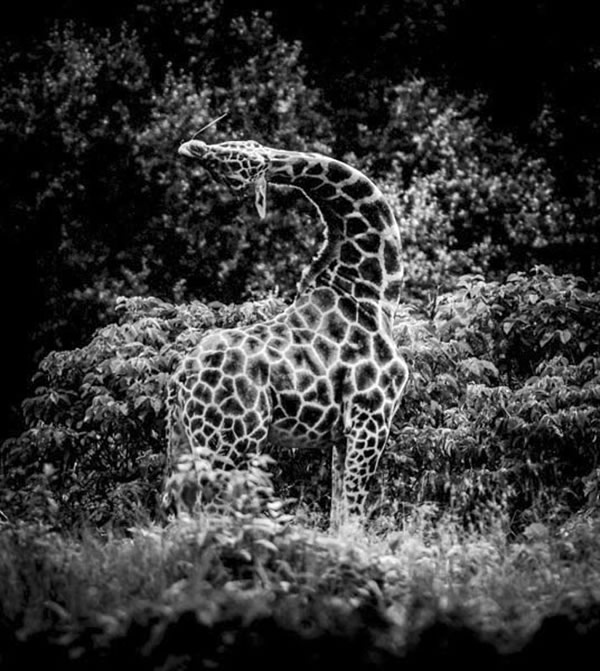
(213, 590)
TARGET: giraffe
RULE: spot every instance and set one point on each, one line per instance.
(326, 371)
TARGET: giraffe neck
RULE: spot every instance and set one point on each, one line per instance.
(361, 252)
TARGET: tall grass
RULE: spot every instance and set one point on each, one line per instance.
(500, 585)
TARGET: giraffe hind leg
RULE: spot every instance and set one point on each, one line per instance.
(178, 490)
(188, 461)
(338, 459)
(202, 456)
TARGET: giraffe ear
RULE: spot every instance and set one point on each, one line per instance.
(261, 197)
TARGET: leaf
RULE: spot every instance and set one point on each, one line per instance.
(139, 401)
(565, 336)
(536, 531)
(489, 367)
(263, 542)
(48, 470)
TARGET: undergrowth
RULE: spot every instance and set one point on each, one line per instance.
(501, 585)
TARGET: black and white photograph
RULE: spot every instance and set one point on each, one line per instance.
(300, 334)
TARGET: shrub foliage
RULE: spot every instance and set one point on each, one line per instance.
(504, 404)
(95, 446)
(100, 205)
(503, 407)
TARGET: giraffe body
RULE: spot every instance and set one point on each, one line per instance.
(326, 372)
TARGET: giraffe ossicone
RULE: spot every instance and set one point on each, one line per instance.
(324, 373)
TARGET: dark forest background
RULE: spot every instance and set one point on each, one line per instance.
(482, 121)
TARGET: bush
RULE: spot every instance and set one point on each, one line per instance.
(503, 407)
(468, 198)
(102, 206)
(504, 403)
(95, 447)
(68, 126)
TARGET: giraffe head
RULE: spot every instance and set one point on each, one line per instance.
(240, 164)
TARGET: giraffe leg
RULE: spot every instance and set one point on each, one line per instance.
(203, 450)
(338, 460)
(180, 490)
(364, 450)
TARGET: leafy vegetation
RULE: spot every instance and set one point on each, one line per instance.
(95, 440)
(503, 406)
(119, 258)
(214, 589)
(468, 199)
(100, 206)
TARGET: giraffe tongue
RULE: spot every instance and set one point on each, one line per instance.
(260, 197)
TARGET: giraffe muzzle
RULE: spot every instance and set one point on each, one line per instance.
(193, 149)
